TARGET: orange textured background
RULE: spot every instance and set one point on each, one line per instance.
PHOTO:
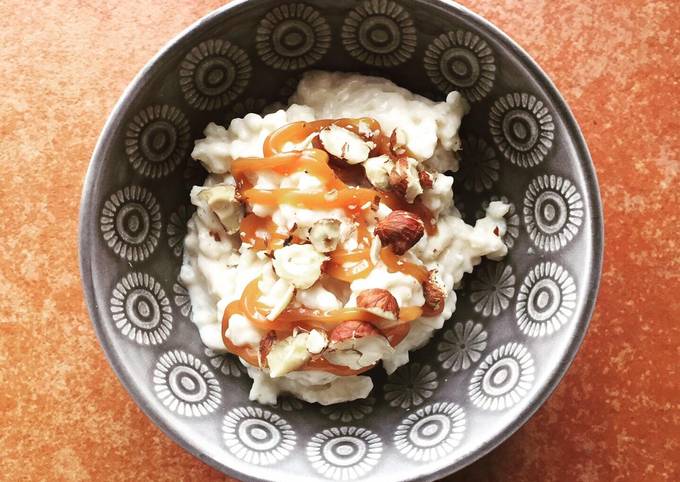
(64, 415)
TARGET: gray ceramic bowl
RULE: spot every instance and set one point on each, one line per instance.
(518, 324)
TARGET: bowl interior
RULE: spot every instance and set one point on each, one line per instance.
(518, 321)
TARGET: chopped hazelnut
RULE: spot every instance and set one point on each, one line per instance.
(404, 179)
(344, 144)
(400, 230)
(379, 302)
(325, 234)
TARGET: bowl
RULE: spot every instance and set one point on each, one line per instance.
(518, 324)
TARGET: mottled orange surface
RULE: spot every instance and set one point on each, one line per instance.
(64, 415)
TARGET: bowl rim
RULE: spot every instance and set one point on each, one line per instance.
(87, 216)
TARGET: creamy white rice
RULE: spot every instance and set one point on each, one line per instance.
(216, 272)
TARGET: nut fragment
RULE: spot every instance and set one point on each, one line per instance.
(400, 230)
(375, 204)
(298, 263)
(374, 251)
(359, 353)
(223, 201)
(404, 179)
(357, 344)
(278, 297)
(317, 341)
(344, 144)
(364, 130)
(266, 344)
(287, 355)
(434, 292)
(398, 142)
(325, 234)
(379, 302)
(351, 330)
(426, 179)
(301, 232)
(378, 171)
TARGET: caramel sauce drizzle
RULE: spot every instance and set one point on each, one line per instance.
(347, 266)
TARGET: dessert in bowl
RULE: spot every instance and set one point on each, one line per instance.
(338, 249)
(323, 224)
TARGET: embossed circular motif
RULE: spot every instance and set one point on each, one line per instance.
(522, 128)
(140, 309)
(479, 166)
(157, 140)
(430, 433)
(185, 384)
(213, 74)
(553, 212)
(462, 345)
(288, 403)
(257, 436)
(250, 105)
(130, 223)
(546, 299)
(462, 61)
(379, 33)
(182, 299)
(288, 88)
(410, 385)
(292, 36)
(503, 378)
(226, 363)
(344, 453)
(176, 229)
(349, 411)
(492, 288)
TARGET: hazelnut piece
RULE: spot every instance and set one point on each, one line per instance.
(434, 292)
(400, 230)
(404, 179)
(266, 344)
(325, 234)
(352, 329)
(344, 144)
(426, 179)
(379, 302)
